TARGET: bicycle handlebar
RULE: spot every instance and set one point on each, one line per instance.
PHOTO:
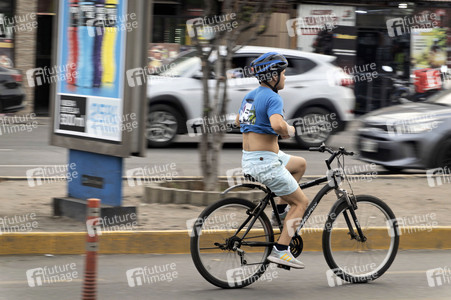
(323, 148)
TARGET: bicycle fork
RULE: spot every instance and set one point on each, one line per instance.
(352, 206)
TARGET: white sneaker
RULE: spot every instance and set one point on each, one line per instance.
(285, 258)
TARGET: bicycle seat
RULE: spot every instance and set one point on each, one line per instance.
(250, 178)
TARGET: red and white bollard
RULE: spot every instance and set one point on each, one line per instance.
(92, 224)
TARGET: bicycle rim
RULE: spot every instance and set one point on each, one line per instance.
(213, 237)
(356, 261)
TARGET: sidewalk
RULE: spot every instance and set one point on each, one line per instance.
(423, 210)
(409, 197)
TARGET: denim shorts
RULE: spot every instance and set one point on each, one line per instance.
(269, 169)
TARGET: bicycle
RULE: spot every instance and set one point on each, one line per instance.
(232, 238)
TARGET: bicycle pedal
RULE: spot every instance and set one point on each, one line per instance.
(284, 267)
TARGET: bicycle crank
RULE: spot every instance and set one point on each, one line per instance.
(296, 245)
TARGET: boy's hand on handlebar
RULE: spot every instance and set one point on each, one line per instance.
(291, 132)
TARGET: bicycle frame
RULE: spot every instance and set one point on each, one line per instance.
(253, 229)
(269, 198)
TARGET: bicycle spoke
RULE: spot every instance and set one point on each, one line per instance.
(254, 237)
(232, 253)
(361, 260)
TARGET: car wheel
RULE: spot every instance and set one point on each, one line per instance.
(314, 127)
(444, 154)
(162, 125)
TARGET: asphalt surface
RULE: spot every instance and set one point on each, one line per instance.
(23, 150)
(406, 279)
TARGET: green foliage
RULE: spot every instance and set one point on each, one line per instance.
(261, 29)
(246, 13)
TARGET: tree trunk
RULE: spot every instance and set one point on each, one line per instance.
(204, 146)
(254, 15)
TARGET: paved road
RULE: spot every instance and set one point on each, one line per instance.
(24, 150)
(406, 279)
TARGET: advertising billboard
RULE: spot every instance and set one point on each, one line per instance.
(91, 65)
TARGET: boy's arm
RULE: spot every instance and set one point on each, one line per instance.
(281, 127)
(237, 120)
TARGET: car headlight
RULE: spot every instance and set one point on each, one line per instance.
(412, 128)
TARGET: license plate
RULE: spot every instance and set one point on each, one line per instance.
(369, 146)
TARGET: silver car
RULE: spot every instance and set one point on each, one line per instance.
(414, 135)
(316, 92)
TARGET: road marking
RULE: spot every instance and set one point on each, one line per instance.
(6, 149)
(56, 281)
(406, 272)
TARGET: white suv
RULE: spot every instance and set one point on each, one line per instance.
(316, 93)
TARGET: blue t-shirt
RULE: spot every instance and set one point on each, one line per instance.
(257, 107)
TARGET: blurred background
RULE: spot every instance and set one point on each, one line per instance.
(361, 36)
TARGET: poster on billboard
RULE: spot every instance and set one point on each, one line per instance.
(315, 21)
(91, 58)
(429, 38)
(428, 48)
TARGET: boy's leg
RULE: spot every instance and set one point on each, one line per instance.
(298, 202)
(296, 166)
(281, 253)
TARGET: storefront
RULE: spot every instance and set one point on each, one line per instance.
(411, 38)
(363, 33)
(43, 56)
(6, 33)
(26, 43)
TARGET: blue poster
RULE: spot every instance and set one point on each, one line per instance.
(91, 53)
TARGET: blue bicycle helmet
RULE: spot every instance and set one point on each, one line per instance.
(266, 65)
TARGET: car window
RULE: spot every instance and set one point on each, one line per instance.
(180, 65)
(295, 66)
(240, 67)
(298, 66)
(239, 62)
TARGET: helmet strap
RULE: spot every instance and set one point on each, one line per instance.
(273, 87)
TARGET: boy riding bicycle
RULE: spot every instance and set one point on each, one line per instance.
(261, 121)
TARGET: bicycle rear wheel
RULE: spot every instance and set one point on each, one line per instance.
(361, 261)
(214, 237)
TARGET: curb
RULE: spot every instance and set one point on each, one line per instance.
(178, 241)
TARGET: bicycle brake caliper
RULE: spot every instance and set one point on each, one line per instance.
(350, 199)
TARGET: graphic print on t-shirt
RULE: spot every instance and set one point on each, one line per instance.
(247, 113)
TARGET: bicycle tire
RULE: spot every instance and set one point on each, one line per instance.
(206, 270)
(344, 272)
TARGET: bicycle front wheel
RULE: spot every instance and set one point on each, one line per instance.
(354, 260)
(218, 250)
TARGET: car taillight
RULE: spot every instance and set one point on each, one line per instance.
(17, 77)
(347, 82)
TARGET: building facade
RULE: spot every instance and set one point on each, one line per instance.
(363, 32)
